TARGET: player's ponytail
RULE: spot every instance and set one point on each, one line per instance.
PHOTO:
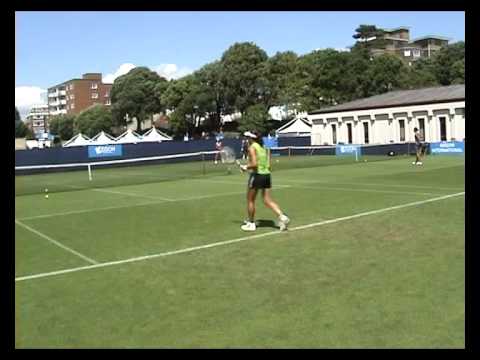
(259, 138)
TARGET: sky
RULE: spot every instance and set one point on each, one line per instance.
(53, 47)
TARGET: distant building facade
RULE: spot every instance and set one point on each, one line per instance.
(397, 41)
(37, 120)
(438, 112)
(76, 95)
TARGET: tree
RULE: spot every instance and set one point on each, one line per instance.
(243, 75)
(62, 125)
(254, 118)
(93, 120)
(137, 94)
(386, 73)
(281, 76)
(369, 32)
(447, 64)
(20, 127)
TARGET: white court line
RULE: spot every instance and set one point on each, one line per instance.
(221, 243)
(132, 194)
(370, 184)
(56, 242)
(129, 205)
(365, 190)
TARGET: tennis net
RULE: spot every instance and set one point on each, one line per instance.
(98, 174)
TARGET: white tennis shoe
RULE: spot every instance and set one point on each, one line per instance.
(249, 226)
(283, 221)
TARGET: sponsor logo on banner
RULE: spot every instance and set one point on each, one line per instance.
(95, 151)
(347, 149)
(447, 147)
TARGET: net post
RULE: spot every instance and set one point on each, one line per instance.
(89, 172)
(289, 151)
(203, 163)
(356, 153)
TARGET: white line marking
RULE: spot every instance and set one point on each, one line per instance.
(365, 190)
(221, 243)
(132, 194)
(56, 242)
(128, 206)
(370, 184)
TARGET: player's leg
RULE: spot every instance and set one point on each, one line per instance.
(283, 220)
(250, 224)
(417, 154)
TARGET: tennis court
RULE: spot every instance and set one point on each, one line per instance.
(154, 257)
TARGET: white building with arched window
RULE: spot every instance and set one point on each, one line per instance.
(438, 112)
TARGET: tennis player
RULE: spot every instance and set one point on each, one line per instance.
(259, 160)
(218, 147)
(420, 147)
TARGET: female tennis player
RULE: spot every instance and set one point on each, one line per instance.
(259, 160)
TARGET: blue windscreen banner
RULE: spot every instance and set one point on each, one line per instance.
(447, 148)
(100, 151)
(351, 150)
(270, 142)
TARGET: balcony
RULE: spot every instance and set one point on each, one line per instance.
(63, 102)
(54, 103)
(62, 93)
(53, 94)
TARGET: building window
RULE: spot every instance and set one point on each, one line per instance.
(94, 86)
(72, 96)
(94, 95)
(334, 133)
(401, 123)
(365, 132)
(107, 102)
(421, 127)
(72, 106)
(349, 128)
(416, 53)
(406, 53)
(443, 128)
(71, 86)
(107, 94)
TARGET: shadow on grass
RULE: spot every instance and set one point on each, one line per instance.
(264, 224)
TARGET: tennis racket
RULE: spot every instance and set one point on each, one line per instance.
(228, 156)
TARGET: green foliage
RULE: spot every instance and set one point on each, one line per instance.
(254, 118)
(364, 32)
(93, 120)
(62, 125)
(137, 94)
(243, 75)
(448, 64)
(20, 127)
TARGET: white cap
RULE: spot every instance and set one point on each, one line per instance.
(249, 134)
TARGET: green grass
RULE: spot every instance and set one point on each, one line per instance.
(394, 279)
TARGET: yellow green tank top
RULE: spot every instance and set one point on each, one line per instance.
(263, 161)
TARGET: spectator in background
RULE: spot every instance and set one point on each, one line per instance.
(219, 148)
(245, 146)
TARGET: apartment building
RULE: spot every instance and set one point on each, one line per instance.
(75, 95)
(37, 120)
(397, 41)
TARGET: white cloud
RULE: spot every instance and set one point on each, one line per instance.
(122, 70)
(172, 71)
(27, 96)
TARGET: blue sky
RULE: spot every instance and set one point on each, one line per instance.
(52, 47)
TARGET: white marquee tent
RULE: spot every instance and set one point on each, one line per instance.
(296, 127)
(77, 140)
(129, 137)
(102, 139)
(154, 135)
